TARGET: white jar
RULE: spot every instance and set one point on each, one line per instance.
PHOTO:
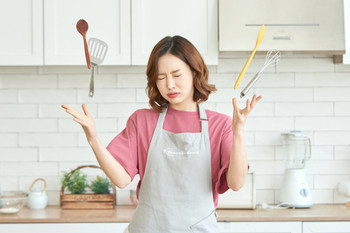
(37, 199)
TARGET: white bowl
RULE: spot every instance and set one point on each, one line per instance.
(12, 201)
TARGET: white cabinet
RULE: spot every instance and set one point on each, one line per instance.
(64, 227)
(313, 25)
(285, 227)
(326, 227)
(225, 227)
(260, 227)
(109, 20)
(21, 24)
(37, 32)
(195, 20)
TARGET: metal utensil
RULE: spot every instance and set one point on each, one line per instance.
(272, 57)
(259, 39)
(82, 27)
(98, 50)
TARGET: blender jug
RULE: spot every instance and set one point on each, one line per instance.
(295, 191)
(297, 149)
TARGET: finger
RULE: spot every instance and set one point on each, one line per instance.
(75, 113)
(235, 104)
(86, 110)
(80, 121)
(248, 105)
(68, 108)
(256, 99)
(65, 106)
(252, 104)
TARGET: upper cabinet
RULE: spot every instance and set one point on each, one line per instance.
(43, 32)
(313, 25)
(109, 20)
(21, 32)
(195, 20)
(24, 42)
(37, 32)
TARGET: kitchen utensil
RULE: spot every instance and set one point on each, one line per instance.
(295, 191)
(98, 50)
(272, 57)
(11, 201)
(37, 199)
(82, 27)
(259, 39)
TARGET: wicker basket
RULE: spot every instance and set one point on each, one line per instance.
(87, 201)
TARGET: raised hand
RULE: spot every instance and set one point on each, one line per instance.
(240, 115)
(84, 119)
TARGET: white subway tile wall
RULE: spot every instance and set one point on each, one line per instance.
(303, 92)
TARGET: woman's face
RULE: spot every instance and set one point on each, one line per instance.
(175, 83)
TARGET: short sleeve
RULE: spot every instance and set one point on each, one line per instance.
(124, 147)
(225, 149)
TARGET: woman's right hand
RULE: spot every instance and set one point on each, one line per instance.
(84, 119)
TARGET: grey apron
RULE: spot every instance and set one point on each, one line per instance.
(176, 191)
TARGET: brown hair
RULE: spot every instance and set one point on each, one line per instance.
(184, 50)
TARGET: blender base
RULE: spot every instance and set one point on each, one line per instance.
(295, 191)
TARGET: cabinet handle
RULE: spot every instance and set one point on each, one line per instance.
(282, 38)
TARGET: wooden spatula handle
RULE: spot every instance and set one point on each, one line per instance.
(87, 55)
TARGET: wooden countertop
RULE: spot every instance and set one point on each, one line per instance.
(54, 214)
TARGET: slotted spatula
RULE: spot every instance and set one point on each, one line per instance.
(97, 50)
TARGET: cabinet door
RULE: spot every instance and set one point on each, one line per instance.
(313, 25)
(260, 227)
(326, 227)
(195, 20)
(108, 20)
(64, 227)
(21, 25)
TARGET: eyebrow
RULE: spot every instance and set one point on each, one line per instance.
(172, 72)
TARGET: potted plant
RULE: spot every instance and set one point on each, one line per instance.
(76, 182)
(101, 185)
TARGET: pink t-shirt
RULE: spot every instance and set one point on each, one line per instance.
(130, 147)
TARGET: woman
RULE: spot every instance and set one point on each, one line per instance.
(185, 155)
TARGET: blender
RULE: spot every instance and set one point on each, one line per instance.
(295, 191)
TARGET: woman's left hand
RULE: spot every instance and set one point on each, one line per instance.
(240, 115)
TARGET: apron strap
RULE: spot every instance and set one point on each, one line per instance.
(161, 119)
(203, 118)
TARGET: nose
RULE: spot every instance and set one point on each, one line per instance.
(170, 83)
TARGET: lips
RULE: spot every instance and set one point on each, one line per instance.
(173, 94)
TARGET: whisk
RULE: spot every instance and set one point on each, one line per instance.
(272, 57)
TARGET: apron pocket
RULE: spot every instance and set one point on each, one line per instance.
(206, 225)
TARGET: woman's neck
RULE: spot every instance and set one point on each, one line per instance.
(188, 107)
